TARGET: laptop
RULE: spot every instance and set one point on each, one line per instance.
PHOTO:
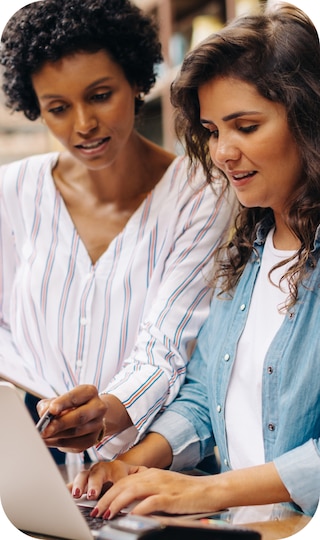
(36, 499)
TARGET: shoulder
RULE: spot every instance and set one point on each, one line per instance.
(190, 180)
(31, 163)
(25, 171)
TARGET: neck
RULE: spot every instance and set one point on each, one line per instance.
(127, 178)
(283, 237)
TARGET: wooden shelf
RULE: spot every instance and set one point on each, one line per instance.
(178, 20)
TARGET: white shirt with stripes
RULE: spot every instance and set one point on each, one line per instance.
(127, 323)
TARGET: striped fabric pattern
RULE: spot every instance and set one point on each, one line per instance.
(126, 323)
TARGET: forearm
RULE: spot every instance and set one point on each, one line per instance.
(251, 486)
(153, 451)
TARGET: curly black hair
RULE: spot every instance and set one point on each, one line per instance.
(48, 30)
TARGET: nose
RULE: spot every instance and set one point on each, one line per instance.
(85, 121)
(223, 150)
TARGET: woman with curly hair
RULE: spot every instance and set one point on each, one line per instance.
(248, 102)
(105, 247)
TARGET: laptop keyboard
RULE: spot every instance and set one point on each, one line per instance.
(94, 523)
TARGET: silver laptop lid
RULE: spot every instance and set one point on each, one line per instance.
(32, 491)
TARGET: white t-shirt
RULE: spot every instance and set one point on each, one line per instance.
(243, 404)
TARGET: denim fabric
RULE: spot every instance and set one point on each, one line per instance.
(290, 387)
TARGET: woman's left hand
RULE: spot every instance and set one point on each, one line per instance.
(79, 419)
(92, 481)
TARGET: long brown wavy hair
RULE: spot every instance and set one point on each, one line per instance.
(278, 52)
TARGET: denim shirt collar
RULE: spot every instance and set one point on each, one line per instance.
(268, 222)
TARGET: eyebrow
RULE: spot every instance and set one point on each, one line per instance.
(231, 116)
(89, 87)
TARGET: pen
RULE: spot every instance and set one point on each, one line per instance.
(44, 421)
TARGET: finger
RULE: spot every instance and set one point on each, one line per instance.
(120, 502)
(121, 495)
(74, 445)
(97, 480)
(42, 406)
(77, 422)
(79, 484)
(74, 398)
(152, 504)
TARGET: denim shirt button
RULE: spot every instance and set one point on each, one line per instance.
(242, 307)
(219, 408)
(226, 357)
(271, 427)
(270, 370)
(226, 462)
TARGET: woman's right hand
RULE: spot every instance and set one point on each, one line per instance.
(93, 480)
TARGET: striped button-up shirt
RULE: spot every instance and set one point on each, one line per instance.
(127, 323)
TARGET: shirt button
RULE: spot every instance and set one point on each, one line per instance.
(270, 370)
(226, 357)
(271, 427)
(226, 462)
(83, 321)
(79, 363)
(219, 408)
(242, 307)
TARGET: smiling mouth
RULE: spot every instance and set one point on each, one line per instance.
(243, 175)
(92, 145)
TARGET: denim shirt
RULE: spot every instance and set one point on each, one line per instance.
(195, 421)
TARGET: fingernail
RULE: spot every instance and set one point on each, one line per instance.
(91, 493)
(76, 492)
(94, 512)
(106, 515)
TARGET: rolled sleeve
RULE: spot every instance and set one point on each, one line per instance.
(181, 436)
(299, 470)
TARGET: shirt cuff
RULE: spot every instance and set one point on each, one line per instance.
(182, 438)
(299, 470)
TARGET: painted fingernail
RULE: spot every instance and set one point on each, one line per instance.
(91, 493)
(76, 492)
(94, 512)
(106, 515)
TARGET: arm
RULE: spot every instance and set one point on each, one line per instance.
(13, 366)
(151, 377)
(294, 476)
(154, 490)
(171, 434)
(176, 305)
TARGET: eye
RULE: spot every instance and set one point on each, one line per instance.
(214, 133)
(211, 130)
(248, 129)
(58, 109)
(101, 96)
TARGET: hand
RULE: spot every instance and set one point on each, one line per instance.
(79, 419)
(167, 491)
(93, 481)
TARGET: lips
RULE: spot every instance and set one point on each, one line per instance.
(92, 145)
(241, 176)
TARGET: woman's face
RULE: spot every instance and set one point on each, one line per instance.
(88, 105)
(250, 142)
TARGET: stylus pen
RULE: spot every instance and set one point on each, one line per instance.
(44, 421)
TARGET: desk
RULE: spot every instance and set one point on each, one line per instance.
(273, 522)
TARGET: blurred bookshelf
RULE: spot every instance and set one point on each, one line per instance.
(182, 24)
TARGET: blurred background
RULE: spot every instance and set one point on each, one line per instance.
(182, 24)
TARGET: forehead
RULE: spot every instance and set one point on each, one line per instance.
(221, 97)
(79, 66)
